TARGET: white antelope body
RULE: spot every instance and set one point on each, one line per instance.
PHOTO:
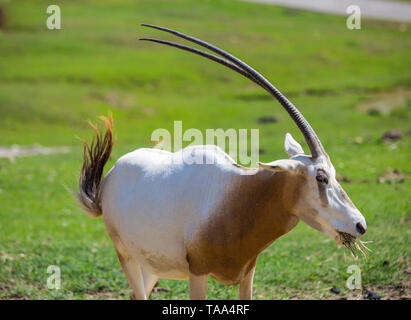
(175, 220)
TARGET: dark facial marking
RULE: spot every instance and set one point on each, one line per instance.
(322, 182)
(322, 176)
(323, 193)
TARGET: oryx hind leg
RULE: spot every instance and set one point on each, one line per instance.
(150, 281)
(134, 275)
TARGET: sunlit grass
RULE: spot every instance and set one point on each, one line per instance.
(51, 82)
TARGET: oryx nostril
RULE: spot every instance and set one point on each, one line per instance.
(360, 228)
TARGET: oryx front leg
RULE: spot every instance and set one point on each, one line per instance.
(245, 288)
(198, 287)
(134, 275)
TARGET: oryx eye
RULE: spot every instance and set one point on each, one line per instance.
(321, 177)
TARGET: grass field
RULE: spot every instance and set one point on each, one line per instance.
(352, 86)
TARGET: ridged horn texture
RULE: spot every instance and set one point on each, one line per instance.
(245, 70)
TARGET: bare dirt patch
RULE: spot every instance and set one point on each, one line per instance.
(392, 176)
(390, 292)
(2, 18)
(19, 151)
(103, 295)
(268, 119)
(385, 102)
(115, 99)
(392, 135)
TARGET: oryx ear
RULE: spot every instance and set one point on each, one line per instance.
(291, 146)
(280, 165)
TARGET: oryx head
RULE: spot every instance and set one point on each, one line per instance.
(323, 205)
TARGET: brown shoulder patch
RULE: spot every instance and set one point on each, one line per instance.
(255, 211)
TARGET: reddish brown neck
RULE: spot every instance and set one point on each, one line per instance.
(256, 210)
(261, 206)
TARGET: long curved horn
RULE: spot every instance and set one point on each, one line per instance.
(309, 134)
(207, 55)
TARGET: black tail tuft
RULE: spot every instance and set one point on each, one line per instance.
(95, 157)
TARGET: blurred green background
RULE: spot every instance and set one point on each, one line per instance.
(352, 85)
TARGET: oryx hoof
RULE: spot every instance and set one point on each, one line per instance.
(132, 296)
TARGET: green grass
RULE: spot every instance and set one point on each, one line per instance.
(51, 82)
